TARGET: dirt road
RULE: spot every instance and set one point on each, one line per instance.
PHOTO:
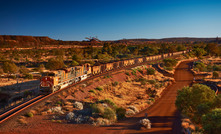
(163, 114)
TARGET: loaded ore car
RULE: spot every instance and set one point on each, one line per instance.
(109, 66)
(54, 80)
(96, 69)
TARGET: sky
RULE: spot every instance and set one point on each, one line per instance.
(111, 19)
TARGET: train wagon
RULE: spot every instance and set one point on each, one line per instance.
(140, 60)
(131, 61)
(109, 66)
(96, 69)
(126, 62)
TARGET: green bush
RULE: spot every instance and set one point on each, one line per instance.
(29, 114)
(92, 91)
(189, 99)
(127, 73)
(109, 102)
(168, 68)
(212, 122)
(99, 88)
(109, 114)
(115, 83)
(217, 68)
(150, 71)
(59, 102)
(28, 76)
(97, 109)
(134, 72)
(201, 66)
(152, 81)
(141, 71)
(120, 112)
(215, 75)
(169, 62)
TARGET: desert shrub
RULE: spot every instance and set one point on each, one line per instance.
(127, 73)
(215, 75)
(28, 76)
(109, 102)
(209, 67)
(99, 88)
(97, 109)
(92, 91)
(13, 76)
(168, 68)
(169, 62)
(115, 83)
(134, 72)
(109, 114)
(120, 112)
(23, 70)
(157, 85)
(29, 114)
(217, 67)
(141, 71)
(59, 102)
(200, 66)
(150, 71)
(152, 81)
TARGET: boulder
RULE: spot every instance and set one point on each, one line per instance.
(70, 116)
(56, 110)
(146, 123)
(134, 109)
(130, 112)
(78, 105)
(101, 122)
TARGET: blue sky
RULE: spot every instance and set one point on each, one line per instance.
(111, 19)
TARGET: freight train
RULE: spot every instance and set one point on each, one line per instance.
(55, 80)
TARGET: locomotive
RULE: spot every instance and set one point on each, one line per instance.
(55, 80)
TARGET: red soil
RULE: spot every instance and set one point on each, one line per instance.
(163, 115)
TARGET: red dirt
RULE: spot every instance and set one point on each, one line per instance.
(163, 115)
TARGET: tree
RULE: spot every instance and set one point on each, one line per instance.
(212, 122)
(10, 67)
(199, 52)
(215, 75)
(77, 57)
(55, 64)
(150, 71)
(23, 70)
(189, 98)
(212, 49)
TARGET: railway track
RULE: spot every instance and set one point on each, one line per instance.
(20, 108)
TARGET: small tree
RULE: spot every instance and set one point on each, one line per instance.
(215, 75)
(189, 98)
(55, 64)
(23, 70)
(150, 71)
(10, 67)
(212, 122)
